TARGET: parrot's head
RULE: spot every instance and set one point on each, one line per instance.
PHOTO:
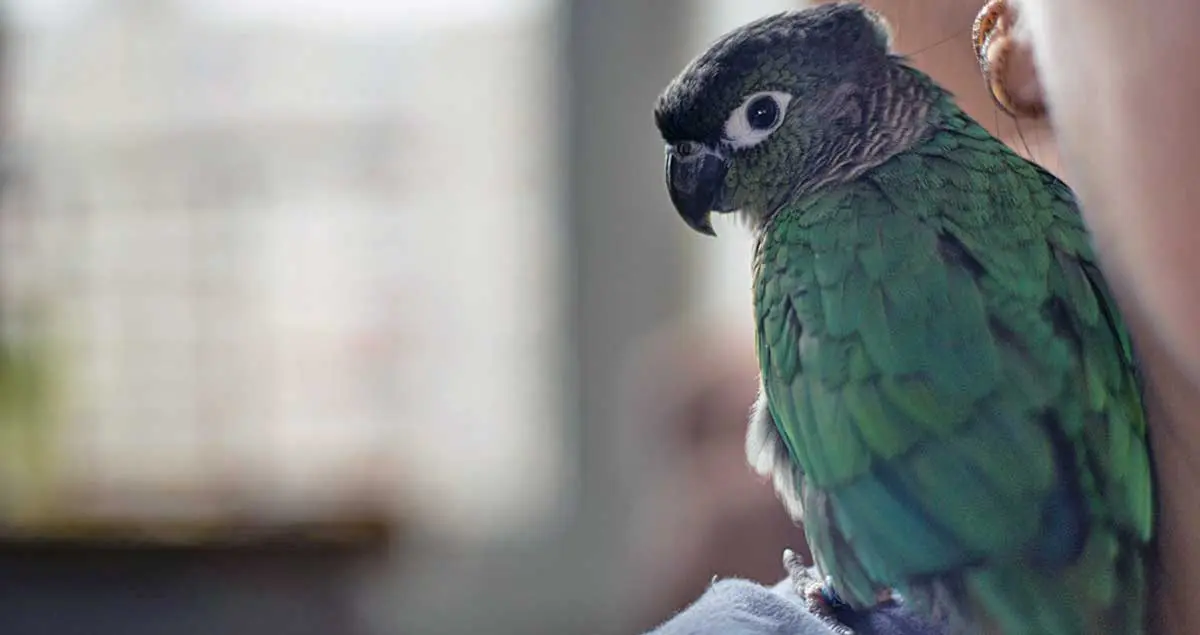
(774, 109)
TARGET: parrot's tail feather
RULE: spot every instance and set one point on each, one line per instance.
(1103, 592)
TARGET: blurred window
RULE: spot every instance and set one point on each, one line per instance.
(282, 267)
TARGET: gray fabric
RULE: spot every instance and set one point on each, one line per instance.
(741, 607)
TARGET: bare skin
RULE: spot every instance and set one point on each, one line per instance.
(1119, 85)
(1126, 79)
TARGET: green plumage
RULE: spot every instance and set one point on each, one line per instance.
(928, 401)
(948, 377)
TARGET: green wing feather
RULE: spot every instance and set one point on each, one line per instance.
(945, 367)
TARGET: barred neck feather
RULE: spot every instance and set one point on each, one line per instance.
(897, 116)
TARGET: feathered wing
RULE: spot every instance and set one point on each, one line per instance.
(954, 393)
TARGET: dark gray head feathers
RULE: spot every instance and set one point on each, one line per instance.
(842, 39)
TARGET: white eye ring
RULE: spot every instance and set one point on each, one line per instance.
(758, 116)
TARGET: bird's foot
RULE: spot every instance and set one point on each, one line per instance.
(823, 602)
(822, 598)
(798, 572)
(819, 597)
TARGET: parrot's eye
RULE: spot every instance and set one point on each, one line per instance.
(762, 113)
(758, 116)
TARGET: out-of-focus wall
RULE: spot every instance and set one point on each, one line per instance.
(326, 259)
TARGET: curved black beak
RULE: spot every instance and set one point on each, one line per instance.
(695, 175)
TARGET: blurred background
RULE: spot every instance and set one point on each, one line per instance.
(372, 317)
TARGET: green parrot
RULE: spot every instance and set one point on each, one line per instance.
(949, 396)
